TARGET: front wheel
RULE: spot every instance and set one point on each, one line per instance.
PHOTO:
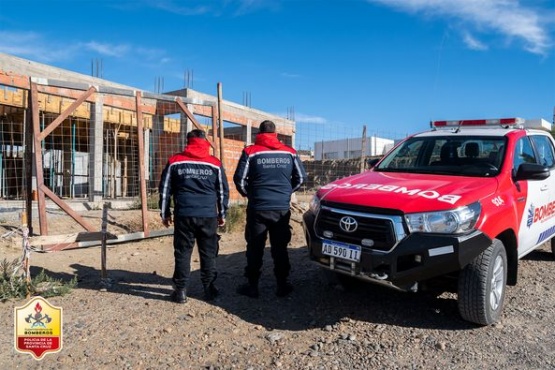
(481, 287)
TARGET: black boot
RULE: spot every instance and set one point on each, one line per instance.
(249, 290)
(179, 296)
(284, 288)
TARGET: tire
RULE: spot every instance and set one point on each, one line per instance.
(482, 284)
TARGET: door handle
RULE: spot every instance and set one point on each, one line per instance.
(544, 188)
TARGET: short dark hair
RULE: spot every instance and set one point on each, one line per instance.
(196, 133)
(267, 127)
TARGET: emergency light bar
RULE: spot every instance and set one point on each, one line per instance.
(504, 122)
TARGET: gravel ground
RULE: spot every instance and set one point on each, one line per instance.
(133, 325)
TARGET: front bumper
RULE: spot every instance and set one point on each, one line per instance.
(416, 258)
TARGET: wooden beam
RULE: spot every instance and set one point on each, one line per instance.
(52, 126)
(125, 238)
(220, 121)
(142, 179)
(60, 203)
(191, 117)
(69, 238)
(28, 158)
(215, 133)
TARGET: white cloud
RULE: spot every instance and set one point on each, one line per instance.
(249, 6)
(290, 75)
(36, 47)
(107, 49)
(473, 43)
(190, 8)
(506, 17)
(27, 44)
(215, 8)
(305, 118)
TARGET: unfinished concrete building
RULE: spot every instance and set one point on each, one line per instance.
(66, 136)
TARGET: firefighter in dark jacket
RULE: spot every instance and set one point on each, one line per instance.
(197, 182)
(267, 174)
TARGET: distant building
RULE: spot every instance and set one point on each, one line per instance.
(306, 155)
(351, 148)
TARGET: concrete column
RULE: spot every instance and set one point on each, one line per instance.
(96, 149)
(293, 139)
(183, 129)
(67, 162)
(159, 161)
(189, 125)
(248, 132)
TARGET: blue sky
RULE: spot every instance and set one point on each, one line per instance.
(392, 65)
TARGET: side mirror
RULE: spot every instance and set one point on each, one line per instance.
(532, 171)
(372, 162)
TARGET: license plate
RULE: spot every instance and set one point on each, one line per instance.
(344, 251)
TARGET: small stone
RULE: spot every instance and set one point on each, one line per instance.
(274, 337)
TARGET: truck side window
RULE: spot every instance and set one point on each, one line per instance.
(545, 150)
(524, 153)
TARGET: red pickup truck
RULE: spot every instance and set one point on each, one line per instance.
(459, 204)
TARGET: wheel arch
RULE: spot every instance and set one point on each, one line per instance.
(508, 238)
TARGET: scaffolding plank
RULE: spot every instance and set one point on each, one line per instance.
(69, 238)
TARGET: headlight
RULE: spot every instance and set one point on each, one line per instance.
(314, 205)
(456, 221)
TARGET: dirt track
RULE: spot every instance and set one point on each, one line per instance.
(133, 325)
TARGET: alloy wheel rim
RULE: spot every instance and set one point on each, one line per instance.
(497, 286)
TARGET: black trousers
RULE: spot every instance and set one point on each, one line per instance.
(259, 225)
(186, 231)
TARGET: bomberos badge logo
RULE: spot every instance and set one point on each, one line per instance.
(38, 328)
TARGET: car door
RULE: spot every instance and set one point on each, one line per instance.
(538, 223)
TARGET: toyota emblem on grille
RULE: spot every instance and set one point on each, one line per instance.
(348, 224)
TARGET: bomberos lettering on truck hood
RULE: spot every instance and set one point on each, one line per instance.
(412, 193)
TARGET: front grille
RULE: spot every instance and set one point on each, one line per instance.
(381, 229)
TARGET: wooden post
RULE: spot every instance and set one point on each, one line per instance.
(215, 151)
(26, 254)
(142, 167)
(28, 165)
(103, 274)
(220, 121)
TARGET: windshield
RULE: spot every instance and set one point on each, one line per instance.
(447, 155)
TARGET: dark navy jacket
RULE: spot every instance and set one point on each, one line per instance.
(268, 173)
(197, 182)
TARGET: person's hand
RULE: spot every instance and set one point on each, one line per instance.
(221, 222)
(167, 221)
